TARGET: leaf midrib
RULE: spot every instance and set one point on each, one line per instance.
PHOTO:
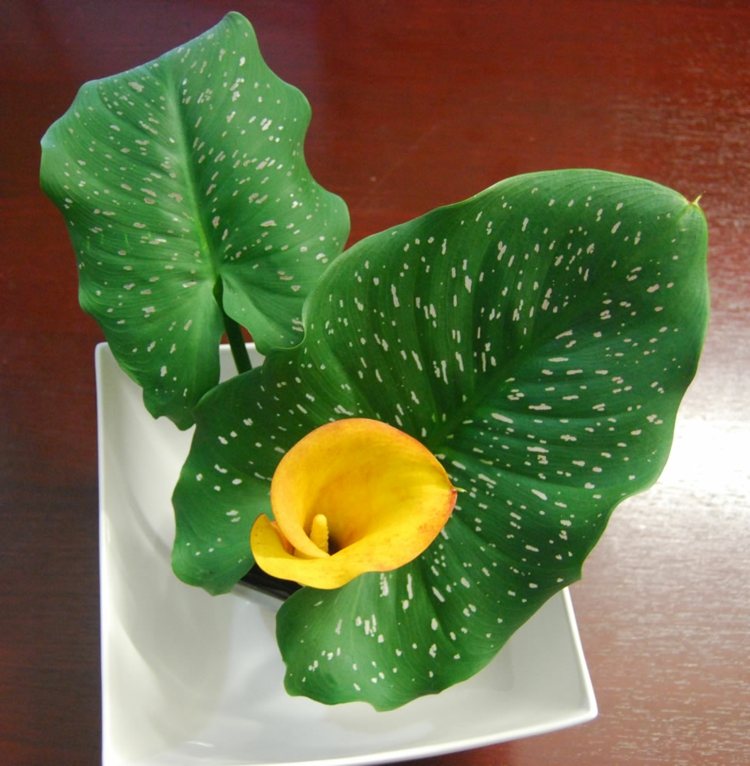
(487, 383)
(176, 111)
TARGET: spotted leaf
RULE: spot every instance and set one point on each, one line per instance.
(191, 209)
(537, 338)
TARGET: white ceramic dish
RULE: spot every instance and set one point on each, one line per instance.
(192, 679)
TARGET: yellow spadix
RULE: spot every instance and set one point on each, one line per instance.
(353, 496)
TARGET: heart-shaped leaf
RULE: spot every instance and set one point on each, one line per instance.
(187, 198)
(538, 339)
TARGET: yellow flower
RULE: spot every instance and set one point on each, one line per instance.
(352, 496)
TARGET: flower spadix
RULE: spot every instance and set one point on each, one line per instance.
(351, 497)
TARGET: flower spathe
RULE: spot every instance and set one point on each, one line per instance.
(353, 496)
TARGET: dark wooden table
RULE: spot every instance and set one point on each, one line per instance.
(415, 105)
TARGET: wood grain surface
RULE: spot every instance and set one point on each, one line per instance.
(415, 104)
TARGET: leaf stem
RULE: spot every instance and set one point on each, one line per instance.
(233, 332)
(237, 344)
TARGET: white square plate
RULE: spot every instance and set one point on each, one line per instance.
(192, 679)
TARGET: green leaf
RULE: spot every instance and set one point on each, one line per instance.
(538, 338)
(187, 198)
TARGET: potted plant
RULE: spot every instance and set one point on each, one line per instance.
(448, 411)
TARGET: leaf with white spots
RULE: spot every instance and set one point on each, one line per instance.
(187, 198)
(537, 338)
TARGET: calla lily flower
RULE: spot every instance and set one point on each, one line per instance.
(351, 497)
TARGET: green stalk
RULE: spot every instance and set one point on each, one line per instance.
(237, 344)
(234, 333)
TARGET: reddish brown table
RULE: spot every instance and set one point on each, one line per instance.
(415, 105)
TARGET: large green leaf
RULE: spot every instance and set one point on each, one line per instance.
(538, 338)
(185, 191)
